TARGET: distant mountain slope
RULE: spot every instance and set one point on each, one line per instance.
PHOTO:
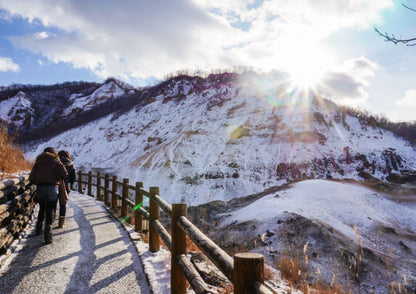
(50, 110)
(230, 135)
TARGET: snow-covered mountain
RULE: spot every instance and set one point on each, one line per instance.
(244, 140)
(229, 135)
(40, 111)
(80, 103)
(17, 110)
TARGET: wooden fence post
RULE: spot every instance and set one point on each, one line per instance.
(248, 269)
(138, 201)
(125, 195)
(99, 186)
(89, 193)
(79, 181)
(177, 277)
(113, 194)
(106, 187)
(154, 240)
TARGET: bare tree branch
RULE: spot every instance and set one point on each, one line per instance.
(412, 9)
(392, 38)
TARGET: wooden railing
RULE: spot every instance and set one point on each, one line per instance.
(245, 270)
(16, 209)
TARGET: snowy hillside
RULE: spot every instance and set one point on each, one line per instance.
(290, 173)
(227, 136)
(80, 103)
(340, 230)
(40, 111)
(17, 110)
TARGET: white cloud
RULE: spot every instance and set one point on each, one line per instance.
(349, 84)
(7, 64)
(138, 39)
(43, 35)
(409, 99)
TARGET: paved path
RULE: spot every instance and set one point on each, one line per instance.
(91, 254)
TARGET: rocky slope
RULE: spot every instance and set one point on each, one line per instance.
(229, 135)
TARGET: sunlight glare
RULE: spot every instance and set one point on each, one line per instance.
(307, 66)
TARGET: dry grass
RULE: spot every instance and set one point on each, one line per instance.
(144, 237)
(12, 159)
(291, 270)
(294, 270)
(226, 289)
(190, 246)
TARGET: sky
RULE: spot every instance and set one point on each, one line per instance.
(324, 45)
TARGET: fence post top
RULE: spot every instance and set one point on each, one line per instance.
(249, 255)
(178, 204)
(139, 184)
(154, 190)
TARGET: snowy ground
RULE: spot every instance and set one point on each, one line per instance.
(381, 223)
(342, 205)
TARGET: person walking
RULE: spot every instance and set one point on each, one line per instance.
(69, 181)
(46, 174)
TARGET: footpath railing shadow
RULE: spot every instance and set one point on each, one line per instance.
(86, 256)
(244, 270)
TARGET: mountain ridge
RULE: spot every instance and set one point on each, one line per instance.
(229, 133)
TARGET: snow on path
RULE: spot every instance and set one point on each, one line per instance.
(91, 254)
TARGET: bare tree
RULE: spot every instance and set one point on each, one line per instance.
(391, 38)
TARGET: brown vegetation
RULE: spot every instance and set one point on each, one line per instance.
(12, 159)
(294, 270)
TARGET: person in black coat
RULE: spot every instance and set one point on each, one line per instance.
(46, 174)
(69, 181)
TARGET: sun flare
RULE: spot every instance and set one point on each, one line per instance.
(305, 77)
(307, 66)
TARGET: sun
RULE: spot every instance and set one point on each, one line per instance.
(306, 77)
(307, 67)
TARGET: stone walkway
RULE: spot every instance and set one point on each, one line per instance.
(91, 254)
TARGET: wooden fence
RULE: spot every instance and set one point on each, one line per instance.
(16, 209)
(245, 270)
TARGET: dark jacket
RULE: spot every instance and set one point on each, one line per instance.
(70, 179)
(48, 170)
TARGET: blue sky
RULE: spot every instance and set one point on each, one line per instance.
(327, 45)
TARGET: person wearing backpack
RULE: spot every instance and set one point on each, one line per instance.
(69, 181)
(46, 174)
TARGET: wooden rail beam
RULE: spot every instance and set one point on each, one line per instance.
(218, 256)
(166, 207)
(192, 275)
(145, 192)
(163, 233)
